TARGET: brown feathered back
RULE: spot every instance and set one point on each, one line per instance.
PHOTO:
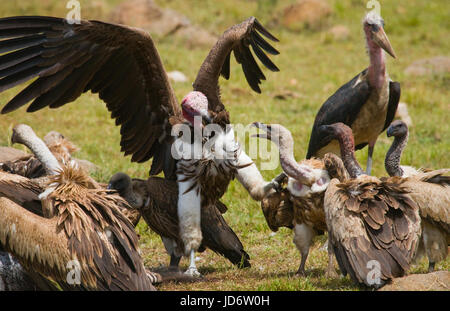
(369, 219)
(278, 210)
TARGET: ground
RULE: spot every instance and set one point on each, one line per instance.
(313, 65)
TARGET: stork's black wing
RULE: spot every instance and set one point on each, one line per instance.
(343, 106)
(394, 98)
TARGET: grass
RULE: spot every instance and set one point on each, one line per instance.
(313, 66)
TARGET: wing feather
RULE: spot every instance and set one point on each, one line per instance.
(118, 62)
(236, 39)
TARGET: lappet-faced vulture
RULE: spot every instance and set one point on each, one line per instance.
(367, 103)
(122, 65)
(430, 189)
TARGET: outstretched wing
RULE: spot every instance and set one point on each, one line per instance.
(236, 39)
(119, 63)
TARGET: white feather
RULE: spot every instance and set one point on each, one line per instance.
(189, 214)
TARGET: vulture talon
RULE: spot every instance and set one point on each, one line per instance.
(193, 272)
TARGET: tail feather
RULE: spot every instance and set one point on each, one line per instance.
(220, 238)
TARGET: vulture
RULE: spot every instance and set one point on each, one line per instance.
(83, 242)
(194, 145)
(429, 189)
(300, 204)
(367, 103)
(17, 162)
(156, 200)
(373, 224)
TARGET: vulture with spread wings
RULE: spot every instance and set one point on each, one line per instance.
(122, 65)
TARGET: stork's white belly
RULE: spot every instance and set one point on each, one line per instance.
(371, 118)
(368, 123)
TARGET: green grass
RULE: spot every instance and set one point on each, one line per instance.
(416, 29)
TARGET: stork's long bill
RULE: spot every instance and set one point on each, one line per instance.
(374, 29)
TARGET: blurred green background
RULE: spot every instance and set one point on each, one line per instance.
(317, 57)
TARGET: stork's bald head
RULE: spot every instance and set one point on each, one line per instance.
(374, 29)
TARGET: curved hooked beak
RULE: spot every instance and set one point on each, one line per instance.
(206, 117)
(266, 128)
(390, 131)
(381, 39)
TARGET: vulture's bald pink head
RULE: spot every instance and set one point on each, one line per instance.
(195, 104)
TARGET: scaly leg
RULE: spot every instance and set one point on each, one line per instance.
(303, 235)
(192, 270)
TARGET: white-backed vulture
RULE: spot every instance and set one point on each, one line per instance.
(88, 244)
(122, 64)
(307, 182)
(367, 103)
(156, 200)
(429, 189)
(373, 224)
(17, 162)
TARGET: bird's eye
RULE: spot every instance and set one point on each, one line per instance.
(375, 27)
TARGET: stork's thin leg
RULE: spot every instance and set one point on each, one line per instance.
(192, 269)
(303, 235)
(369, 157)
(431, 266)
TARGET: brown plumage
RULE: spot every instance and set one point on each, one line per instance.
(17, 162)
(278, 210)
(300, 205)
(122, 64)
(429, 189)
(373, 224)
(117, 62)
(86, 230)
(156, 200)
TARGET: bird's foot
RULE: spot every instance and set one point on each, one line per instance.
(331, 273)
(193, 272)
(431, 267)
(301, 273)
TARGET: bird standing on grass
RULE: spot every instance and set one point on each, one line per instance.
(306, 184)
(122, 65)
(373, 224)
(429, 189)
(156, 200)
(367, 103)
